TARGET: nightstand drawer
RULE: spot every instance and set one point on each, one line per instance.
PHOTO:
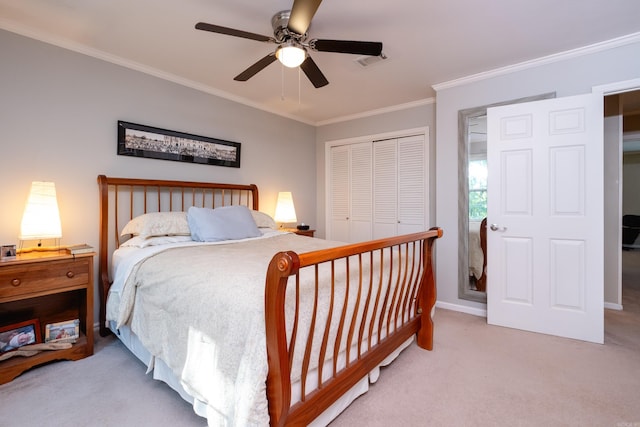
(40, 277)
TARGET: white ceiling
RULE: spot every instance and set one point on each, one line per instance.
(427, 43)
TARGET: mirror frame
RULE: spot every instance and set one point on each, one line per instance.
(464, 289)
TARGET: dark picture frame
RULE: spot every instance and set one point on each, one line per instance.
(16, 335)
(156, 143)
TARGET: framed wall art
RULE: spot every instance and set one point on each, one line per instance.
(155, 143)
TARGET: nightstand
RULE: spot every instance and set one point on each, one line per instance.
(308, 233)
(51, 287)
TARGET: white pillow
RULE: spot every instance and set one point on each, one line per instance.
(143, 242)
(263, 220)
(223, 223)
(158, 224)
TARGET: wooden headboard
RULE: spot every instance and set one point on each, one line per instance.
(122, 199)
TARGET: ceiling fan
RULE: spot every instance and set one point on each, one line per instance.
(290, 34)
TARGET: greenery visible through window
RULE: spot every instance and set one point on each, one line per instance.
(477, 189)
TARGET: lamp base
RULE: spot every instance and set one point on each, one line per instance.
(39, 247)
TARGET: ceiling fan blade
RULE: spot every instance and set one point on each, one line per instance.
(347, 46)
(233, 32)
(302, 13)
(255, 68)
(313, 73)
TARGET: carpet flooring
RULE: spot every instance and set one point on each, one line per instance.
(477, 375)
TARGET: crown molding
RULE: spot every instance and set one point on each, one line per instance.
(95, 53)
(98, 54)
(399, 107)
(596, 47)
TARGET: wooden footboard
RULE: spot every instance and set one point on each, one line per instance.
(381, 315)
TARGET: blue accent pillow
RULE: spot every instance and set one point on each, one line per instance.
(223, 223)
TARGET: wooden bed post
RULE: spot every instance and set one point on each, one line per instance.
(427, 297)
(103, 262)
(283, 265)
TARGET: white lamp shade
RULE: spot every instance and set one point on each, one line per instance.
(285, 211)
(41, 218)
(291, 56)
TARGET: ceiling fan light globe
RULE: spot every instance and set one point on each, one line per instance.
(291, 56)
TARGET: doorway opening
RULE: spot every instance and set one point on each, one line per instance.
(621, 325)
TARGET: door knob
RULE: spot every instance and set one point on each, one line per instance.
(495, 227)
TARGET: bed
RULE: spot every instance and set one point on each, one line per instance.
(273, 328)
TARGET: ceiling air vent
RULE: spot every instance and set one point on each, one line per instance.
(367, 61)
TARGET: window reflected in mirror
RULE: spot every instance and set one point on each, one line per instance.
(477, 189)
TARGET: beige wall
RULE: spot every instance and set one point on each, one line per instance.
(58, 115)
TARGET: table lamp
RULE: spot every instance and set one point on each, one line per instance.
(285, 211)
(41, 218)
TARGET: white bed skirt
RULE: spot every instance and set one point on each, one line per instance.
(162, 372)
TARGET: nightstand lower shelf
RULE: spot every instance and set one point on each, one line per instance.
(11, 368)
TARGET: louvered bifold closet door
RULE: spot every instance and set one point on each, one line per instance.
(411, 184)
(339, 199)
(385, 188)
(399, 182)
(361, 196)
(351, 197)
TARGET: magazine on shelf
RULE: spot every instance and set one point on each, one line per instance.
(80, 249)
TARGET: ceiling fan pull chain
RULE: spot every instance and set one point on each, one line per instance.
(299, 92)
(282, 82)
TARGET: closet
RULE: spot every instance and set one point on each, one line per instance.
(377, 188)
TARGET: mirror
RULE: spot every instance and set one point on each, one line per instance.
(472, 199)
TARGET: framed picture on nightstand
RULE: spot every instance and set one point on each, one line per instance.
(17, 335)
(68, 331)
(7, 252)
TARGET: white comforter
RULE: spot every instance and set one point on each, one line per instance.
(200, 308)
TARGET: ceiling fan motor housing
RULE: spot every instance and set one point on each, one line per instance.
(279, 23)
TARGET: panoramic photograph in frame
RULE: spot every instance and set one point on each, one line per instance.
(156, 143)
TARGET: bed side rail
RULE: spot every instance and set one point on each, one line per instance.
(380, 293)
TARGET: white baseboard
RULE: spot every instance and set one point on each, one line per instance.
(483, 312)
(613, 306)
(462, 308)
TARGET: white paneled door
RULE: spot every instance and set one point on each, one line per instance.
(545, 217)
